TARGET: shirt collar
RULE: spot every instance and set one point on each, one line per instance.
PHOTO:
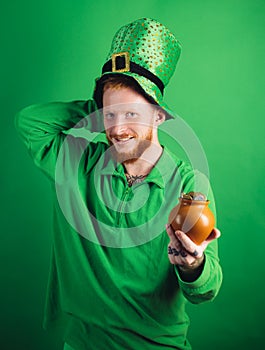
(159, 175)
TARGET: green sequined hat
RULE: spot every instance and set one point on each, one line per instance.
(146, 51)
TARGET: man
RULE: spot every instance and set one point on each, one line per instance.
(119, 278)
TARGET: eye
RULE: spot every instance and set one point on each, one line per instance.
(109, 115)
(131, 115)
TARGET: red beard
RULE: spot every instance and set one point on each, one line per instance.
(134, 154)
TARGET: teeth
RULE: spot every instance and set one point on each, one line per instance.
(123, 138)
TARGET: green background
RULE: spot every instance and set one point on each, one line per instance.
(53, 50)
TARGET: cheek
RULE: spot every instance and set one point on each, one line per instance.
(108, 124)
(146, 130)
(105, 124)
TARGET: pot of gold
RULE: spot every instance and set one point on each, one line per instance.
(193, 216)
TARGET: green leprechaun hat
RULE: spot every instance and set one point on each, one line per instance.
(146, 51)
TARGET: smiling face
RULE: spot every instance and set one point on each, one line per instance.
(130, 122)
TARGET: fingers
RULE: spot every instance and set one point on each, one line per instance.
(175, 243)
(170, 231)
(174, 246)
(177, 253)
(190, 247)
(183, 251)
(180, 257)
(171, 255)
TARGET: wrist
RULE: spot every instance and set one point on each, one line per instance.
(189, 273)
(197, 263)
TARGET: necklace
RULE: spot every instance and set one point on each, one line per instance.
(134, 179)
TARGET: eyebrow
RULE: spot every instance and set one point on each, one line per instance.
(125, 108)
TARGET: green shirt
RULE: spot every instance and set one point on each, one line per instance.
(111, 285)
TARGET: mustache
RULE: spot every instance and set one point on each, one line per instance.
(124, 135)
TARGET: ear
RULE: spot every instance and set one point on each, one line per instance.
(160, 117)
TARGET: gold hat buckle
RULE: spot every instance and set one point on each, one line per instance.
(126, 67)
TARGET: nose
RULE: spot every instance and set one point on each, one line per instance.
(118, 130)
(118, 125)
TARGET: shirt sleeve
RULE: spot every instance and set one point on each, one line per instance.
(44, 127)
(208, 284)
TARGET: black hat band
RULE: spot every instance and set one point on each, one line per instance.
(121, 63)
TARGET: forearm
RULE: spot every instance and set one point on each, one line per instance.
(43, 128)
(42, 120)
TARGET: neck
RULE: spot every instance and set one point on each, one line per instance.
(144, 164)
